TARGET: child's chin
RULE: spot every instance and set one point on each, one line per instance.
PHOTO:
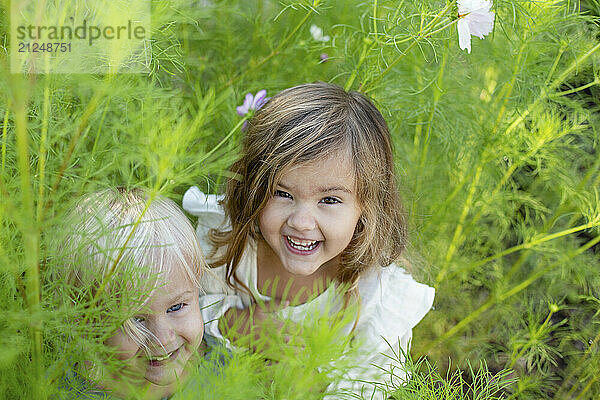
(167, 377)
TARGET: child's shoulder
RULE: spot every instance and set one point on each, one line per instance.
(391, 279)
(392, 292)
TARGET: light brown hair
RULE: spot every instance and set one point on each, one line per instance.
(300, 125)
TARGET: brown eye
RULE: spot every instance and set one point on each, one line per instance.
(330, 200)
(281, 193)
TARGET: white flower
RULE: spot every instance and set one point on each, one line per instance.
(317, 34)
(475, 18)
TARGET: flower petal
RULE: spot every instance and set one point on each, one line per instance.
(316, 32)
(262, 103)
(464, 35)
(248, 101)
(481, 24)
(242, 110)
(258, 99)
(476, 15)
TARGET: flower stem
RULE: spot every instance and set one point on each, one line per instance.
(577, 89)
(29, 228)
(510, 87)
(536, 242)
(4, 137)
(276, 50)
(43, 151)
(555, 64)
(223, 141)
(531, 340)
(494, 299)
(514, 166)
(422, 33)
(576, 370)
(91, 107)
(374, 19)
(545, 93)
(459, 227)
(587, 387)
(113, 267)
(369, 87)
(363, 55)
(437, 94)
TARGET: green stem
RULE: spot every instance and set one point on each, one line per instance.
(531, 340)
(555, 64)
(520, 287)
(43, 151)
(29, 228)
(510, 87)
(374, 20)
(437, 94)
(4, 138)
(545, 93)
(439, 15)
(578, 89)
(457, 189)
(223, 141)
(577, 369)
(459, 227)
(422, 33)
(541, 142)
(113, 267)
(515, 123)
(277, 49)
(536, 242)
(587, 387)
(367, 88)
(363, 55)
(91, 107)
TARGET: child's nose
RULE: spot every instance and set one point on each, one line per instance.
(302, 219)
(164, 334)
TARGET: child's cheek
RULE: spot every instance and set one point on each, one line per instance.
(194, 327)
(125, 348)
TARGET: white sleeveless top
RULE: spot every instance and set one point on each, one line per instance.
(392, 303)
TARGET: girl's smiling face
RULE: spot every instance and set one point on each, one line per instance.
(311, 218)
(172, 317)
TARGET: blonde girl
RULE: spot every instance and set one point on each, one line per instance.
(127, 252)
(313, 204)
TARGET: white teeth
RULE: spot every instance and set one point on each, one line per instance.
(162, 358)
(302, 245)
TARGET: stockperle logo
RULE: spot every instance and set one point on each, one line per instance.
(75, 36)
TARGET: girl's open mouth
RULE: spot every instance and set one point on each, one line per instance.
(161, 360)
(303, 247)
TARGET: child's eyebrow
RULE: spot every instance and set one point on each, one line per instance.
(334, 189)
(323, 189)
(181, 295)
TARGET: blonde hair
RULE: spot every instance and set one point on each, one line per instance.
(121, 238)
(300, 125)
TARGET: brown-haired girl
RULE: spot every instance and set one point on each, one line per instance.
(313, 205)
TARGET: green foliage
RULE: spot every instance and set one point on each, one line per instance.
(497, 152)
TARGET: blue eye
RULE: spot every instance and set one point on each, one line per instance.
(331, 200)
(281, 193)
(176, 307)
